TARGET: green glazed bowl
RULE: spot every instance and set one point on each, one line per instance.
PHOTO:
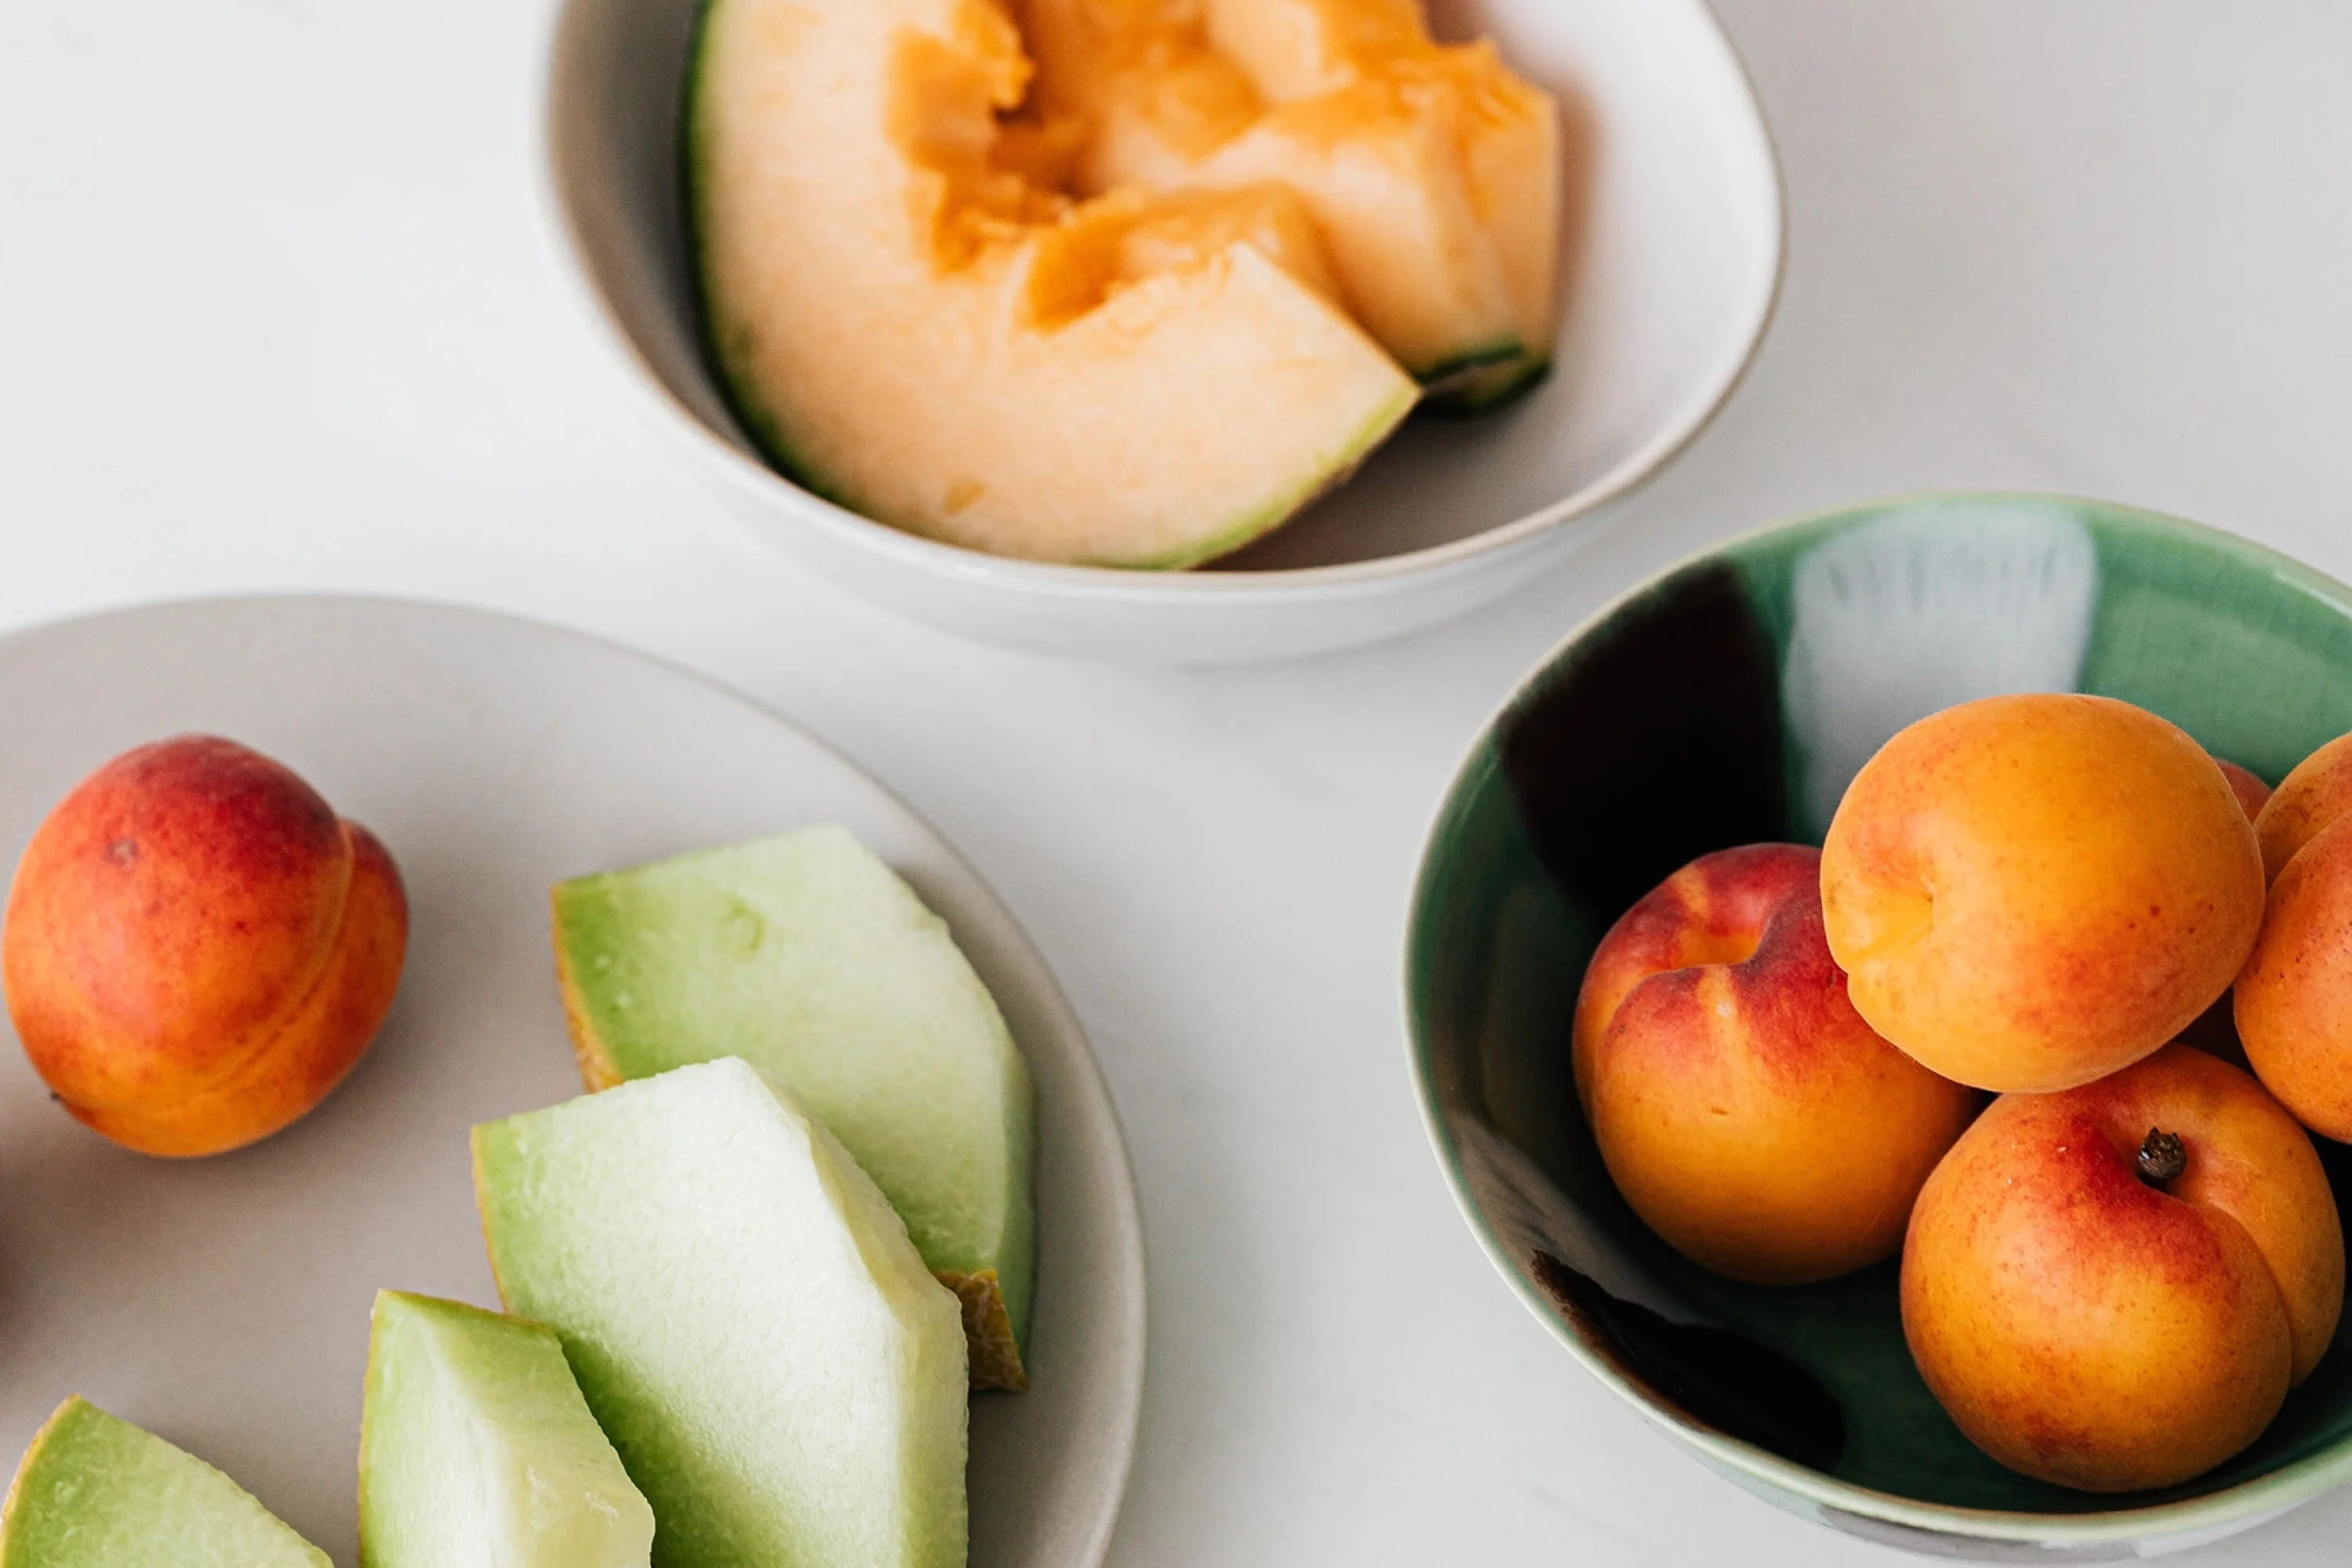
(1730, 701)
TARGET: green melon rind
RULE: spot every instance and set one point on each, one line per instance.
(844, 969)
(470, 1407)
(735, 389)
(1267, 519)
(1464, 364)
(95, 1491)
(1492, 389)
(739, 390)
(683, 1236)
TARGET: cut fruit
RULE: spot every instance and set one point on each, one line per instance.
(1432, 171)
(913, 321)
(747, 1318)
(95, 1491)
(1513, 155)
(477, 1451)
(1509, 129)
(810, 958)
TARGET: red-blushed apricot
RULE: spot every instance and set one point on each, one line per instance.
(2111, 1330)
(2247, 785)
(1744, 1109)
(2215, 1030)
(2293, 999)
(197, 949)
(2315, 793)
(2027, 892)
(1712, 911)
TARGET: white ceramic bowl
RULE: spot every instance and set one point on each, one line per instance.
(1672, 280)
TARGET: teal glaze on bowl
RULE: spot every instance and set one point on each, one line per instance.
(1729, 702)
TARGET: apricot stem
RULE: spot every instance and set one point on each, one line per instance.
(2162, 1156)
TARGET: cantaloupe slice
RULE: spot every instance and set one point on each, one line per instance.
(911, 322)
(782, 1377)
(95, 1491)
(807, 956)
(1431, 171)
(1509, 134)
(1512, 154)
(477, 1451)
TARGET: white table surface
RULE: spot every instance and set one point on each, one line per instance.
(275, 312)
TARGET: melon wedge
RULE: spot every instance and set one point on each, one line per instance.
(476, 1450)
(1507, 135)
(809, 957)
(781, 1376)
(1512, 154)
(1431, 169)
(95, 1491)
(912, 324)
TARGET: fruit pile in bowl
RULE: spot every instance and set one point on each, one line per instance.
(1920, 1181)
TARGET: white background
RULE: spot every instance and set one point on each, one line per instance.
(276, 311)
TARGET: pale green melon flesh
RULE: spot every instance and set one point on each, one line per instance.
(809, 957)
(1188, 413)
(95, 1491)
(780, 1374)
(476, 1450)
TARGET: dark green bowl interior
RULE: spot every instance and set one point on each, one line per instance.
(1664, 731)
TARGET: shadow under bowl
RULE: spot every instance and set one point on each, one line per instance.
(1730, 701)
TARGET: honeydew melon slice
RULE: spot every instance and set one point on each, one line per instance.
(1507, 135)
(809, 957)
(95, 1491)
(477, 1451)
(912, 324)
(782, 1377)
(1378, 163)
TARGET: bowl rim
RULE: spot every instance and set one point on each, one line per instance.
(2246, 1503)
(759, 482)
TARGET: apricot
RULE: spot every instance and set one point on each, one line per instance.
(196, 948)
(2247, 785)
(2316, 793)
(2114, 1287)
(1743, 1108)
(2214, 1031)
(2027, 892)
(2293, 998)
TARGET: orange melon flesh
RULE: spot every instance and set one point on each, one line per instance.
(1509, 131)
(1291, 49)
(1431, 169)
(914, 320)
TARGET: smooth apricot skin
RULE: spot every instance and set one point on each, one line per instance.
(2027, 892)
(197, 949)
(2316, 793)
(2293, 999)
(1744, 1109)
(2084, 1327)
